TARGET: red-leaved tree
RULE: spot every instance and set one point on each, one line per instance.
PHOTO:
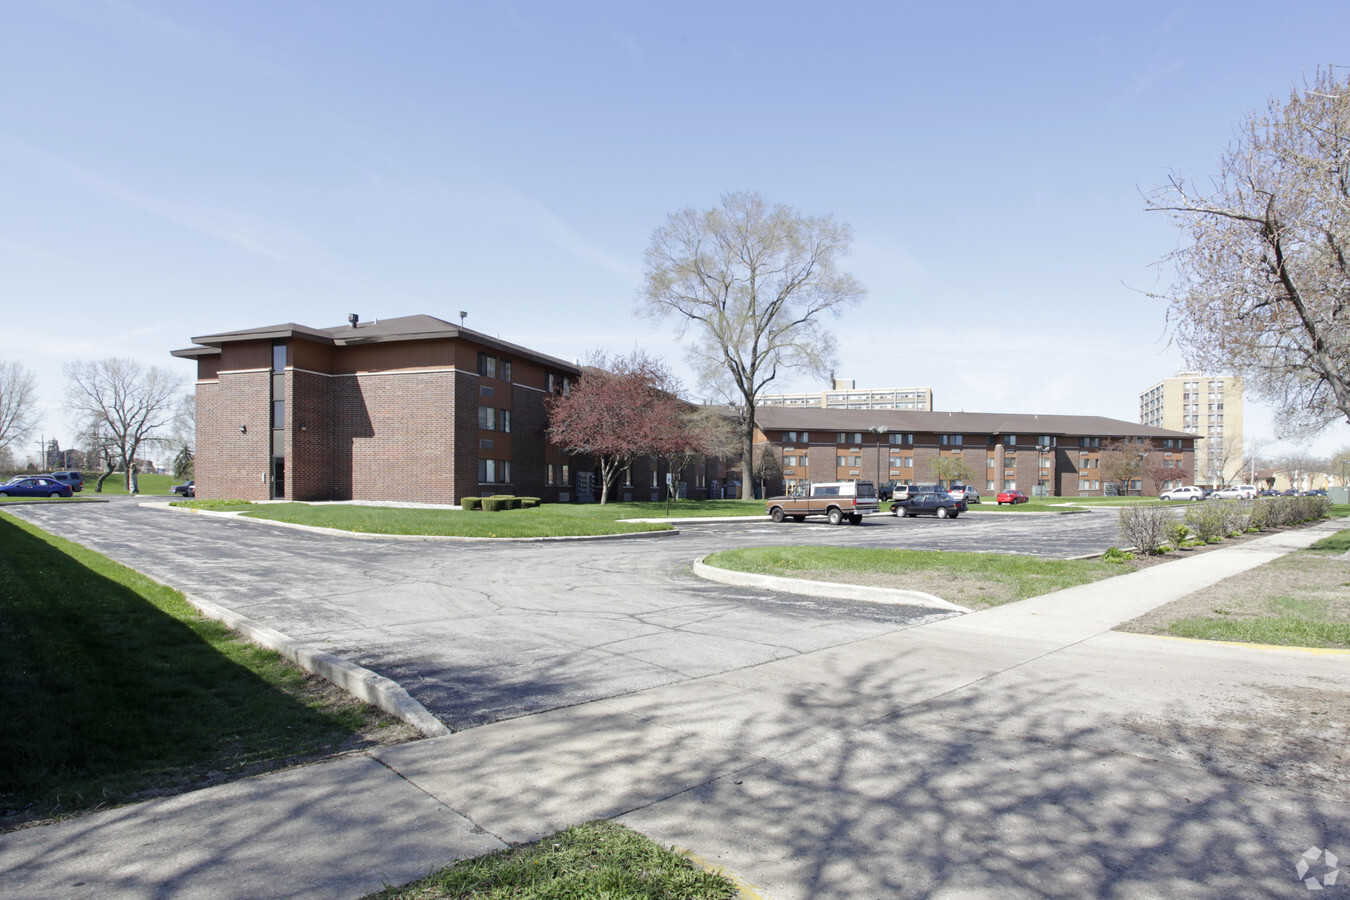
(621, 408)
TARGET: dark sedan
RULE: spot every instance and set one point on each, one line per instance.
(933, 503)
(34, 486)
(185, 490)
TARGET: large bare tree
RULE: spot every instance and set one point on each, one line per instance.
(1262, 278)
(753, 281)
(18, 403)
(129, 403)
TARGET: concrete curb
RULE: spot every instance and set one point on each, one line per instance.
(356, 680)
(829, 589)
(364, 535)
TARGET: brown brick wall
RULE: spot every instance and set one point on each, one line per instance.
(230, 464)
(309, 454)
(393, 436)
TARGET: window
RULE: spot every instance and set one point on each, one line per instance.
(950, 440)
(1089, 442)
(989, 485)
(1045, 440)
(494, 471)
(278, 413)
(794, 437)
(278, 357)
(1010, 460)
(789, 460)
(506, 370)
(990, 462)
(902, 438)
(848, 437)
(1010, 440)
(655, 475)
(1046, 462)
(487, 367)
(504, 420)
(842, 461)
(1010, 484)
(487, 418)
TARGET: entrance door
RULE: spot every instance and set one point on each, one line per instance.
(278, 477)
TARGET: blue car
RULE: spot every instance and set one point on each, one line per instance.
(34, 486)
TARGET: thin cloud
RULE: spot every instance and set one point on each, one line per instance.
(237, 236)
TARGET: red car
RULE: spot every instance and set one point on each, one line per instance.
(1011, 497)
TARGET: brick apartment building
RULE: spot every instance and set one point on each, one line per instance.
(411, 409)
(1062, 455)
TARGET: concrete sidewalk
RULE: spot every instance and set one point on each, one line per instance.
(1026, 750)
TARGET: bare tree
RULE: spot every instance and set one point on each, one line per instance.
(753, 280)
(1223, 461)
(1338, 465)
(1299, 468)
(125, 401)
(1262, 279)
(1123, 462)
(18, 403)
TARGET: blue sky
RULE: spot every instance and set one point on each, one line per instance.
(177, 169)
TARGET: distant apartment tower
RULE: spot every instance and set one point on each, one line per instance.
(1207, 406)
(845, 395)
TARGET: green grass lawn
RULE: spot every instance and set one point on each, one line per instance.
(596, 860)
(112, 686)
(969, 579)
(147, 484)
(549, 520)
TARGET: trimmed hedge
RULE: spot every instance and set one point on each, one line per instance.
(498, 502)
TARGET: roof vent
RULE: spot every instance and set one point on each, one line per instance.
(353, 319)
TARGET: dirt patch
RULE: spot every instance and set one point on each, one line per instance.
(1286, 737)
(1265, 592)
(965, 590)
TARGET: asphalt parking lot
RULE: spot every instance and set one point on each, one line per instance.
(481, 632)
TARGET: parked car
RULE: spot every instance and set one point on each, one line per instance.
(905, 491)
(964, 492)
(186, 490)
(837, 501)
(1248, 491)
(72, 478)
(1232, 492)
(35, 486)
(1189, 492)
(1013, 497)
(934, 503)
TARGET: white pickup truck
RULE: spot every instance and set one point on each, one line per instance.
(837, 501)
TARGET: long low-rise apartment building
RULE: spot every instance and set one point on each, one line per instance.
(1072, 456)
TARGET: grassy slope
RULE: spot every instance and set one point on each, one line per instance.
(111, 684)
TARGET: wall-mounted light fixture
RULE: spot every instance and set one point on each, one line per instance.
(243, 429)
(302, 427)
